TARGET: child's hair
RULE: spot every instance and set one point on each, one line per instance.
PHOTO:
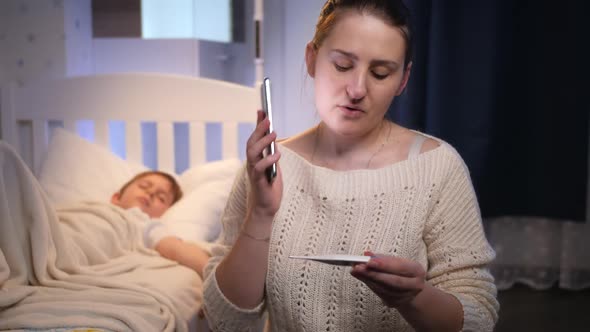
(176, 191)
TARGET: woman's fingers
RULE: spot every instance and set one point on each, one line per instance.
(254, 151)
(392, 289)
(395, 265)
(390, 276)
(262, 126)
(385, 290)
(259, 140)
(389, 280)
(266, 162)
(260, 131)
(260, 116)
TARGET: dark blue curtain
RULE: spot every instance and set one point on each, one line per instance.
(506, 83)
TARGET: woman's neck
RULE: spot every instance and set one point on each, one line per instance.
(346, 153)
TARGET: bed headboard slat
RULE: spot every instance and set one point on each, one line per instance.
(9, 121)
(133, 149)
(197, 144)
(24, 141)
(40, 141)
(230, 139)
(165, 137)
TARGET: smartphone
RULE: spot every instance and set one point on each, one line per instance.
(271, 172)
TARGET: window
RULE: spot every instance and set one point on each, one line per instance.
(219, 20)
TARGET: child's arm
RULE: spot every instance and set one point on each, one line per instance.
(185, 253)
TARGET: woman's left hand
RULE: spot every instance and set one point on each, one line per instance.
(397, 281)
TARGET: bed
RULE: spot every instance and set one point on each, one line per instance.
(83, 137)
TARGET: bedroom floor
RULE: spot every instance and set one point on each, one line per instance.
(525, 309)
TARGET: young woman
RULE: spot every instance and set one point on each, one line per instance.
(354, 184)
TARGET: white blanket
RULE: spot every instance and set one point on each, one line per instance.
(83, 266)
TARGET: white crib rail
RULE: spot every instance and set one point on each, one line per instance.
(131, 99)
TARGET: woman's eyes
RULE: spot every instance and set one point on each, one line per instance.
(380, 76)
(377, 74)
(342, 67)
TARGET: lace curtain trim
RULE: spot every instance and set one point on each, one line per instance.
(540, 252)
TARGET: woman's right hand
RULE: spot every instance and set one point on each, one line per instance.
(265, 198)
(242, 273)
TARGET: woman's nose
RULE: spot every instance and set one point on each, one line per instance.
(357, 87)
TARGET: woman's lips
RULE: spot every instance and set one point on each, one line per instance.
(350, 112)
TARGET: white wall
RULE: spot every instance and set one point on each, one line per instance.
(45, 39)
(232, 62)
(289, 26)
(32, 40)
(112, 55)
(78, 41)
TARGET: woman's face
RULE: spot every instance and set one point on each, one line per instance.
(357, 71)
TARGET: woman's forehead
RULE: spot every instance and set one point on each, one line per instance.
(364, 34)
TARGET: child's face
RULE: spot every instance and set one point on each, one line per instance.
(151, 193)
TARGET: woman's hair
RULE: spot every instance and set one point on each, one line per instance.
(393, 12)
(176, 191)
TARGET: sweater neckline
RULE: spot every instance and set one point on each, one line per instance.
(388, 167)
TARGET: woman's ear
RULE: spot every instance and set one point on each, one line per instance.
(310, 58)
(405, 79)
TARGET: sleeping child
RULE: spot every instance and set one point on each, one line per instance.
(150, 194)
(87, 263)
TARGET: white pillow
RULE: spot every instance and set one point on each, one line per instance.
(75, 169)
(197, 216)
(220, 170)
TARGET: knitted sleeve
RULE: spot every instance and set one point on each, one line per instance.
(222, 314)
(458, 251)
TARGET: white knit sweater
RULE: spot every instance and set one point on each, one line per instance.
(422, 209)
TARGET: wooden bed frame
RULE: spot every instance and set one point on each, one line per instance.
(27, 111)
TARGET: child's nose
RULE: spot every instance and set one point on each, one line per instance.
(150, 192)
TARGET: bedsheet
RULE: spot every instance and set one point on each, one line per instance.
(82, 266)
